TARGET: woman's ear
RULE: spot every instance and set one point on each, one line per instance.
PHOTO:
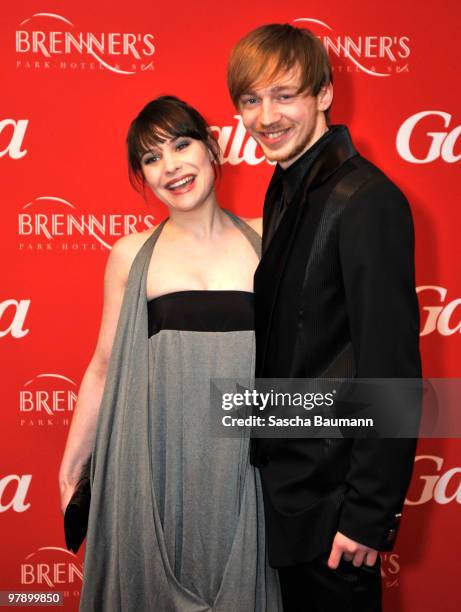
(214, 149)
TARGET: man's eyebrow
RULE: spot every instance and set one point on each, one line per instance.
(274, 89)
(280, 87)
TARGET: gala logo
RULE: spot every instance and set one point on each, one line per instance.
(13, 492)
(432, 484)
(14, 139)
(445, 319)
(236, 145)
(438, 143)
(14, 324)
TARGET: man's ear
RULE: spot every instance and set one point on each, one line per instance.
(325, 97)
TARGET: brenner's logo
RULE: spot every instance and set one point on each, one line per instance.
(13, 492)
(420, 139)
(52, 567)
(49, 40)
(47, 400)
(50, 223)
(378, 56)
(390, 569)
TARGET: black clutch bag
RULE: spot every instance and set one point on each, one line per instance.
(77, 511)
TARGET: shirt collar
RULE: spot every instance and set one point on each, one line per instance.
(293, 175)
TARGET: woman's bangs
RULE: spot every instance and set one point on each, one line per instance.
(153, 134)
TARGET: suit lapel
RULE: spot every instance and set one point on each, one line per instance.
(272, 265)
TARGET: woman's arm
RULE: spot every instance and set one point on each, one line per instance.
(82, 431)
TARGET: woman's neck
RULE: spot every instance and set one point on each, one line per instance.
(202, 221)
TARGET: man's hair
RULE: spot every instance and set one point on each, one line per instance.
(270, 50)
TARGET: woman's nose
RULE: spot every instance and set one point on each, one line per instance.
(171, 162)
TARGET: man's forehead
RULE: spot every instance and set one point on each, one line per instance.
(283, 79)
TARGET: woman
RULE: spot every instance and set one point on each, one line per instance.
(176, 518)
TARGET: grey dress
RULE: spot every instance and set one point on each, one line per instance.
(176, 519)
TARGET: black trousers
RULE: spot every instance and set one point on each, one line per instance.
(314, 587)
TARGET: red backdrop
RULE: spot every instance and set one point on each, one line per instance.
(74, 74)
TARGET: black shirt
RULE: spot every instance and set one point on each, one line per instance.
(288, 181)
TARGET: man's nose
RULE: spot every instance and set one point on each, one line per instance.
(269, 113)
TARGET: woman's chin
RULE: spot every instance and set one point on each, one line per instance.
(185, 206)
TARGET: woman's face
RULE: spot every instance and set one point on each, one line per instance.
(179, 172)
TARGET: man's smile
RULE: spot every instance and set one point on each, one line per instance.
(271, 137)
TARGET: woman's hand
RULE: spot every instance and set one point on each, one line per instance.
(66, 490)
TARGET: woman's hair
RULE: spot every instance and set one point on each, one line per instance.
(162, 119)
(266, 52)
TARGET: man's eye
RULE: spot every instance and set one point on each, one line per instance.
(249, 101)
(285, 96)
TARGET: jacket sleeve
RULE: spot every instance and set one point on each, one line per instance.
(376, 247)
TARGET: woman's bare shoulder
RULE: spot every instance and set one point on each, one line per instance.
(256, 223)
(127, 247)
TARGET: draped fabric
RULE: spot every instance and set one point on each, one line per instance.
(126, 564)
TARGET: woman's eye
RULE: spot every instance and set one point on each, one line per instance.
(150, 160)
(182, 145)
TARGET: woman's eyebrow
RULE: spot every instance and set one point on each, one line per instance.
(149, 152)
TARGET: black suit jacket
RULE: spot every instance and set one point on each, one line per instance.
(335, 297)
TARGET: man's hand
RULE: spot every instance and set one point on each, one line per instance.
(352, 551)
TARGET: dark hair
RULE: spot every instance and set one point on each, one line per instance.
(262, 54)
(161, 119)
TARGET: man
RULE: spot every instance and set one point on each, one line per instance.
(335, 297)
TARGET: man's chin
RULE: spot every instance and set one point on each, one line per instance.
(277, 156)
(285, 155)
(274, 155)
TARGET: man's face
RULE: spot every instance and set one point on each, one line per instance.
(285, 123)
